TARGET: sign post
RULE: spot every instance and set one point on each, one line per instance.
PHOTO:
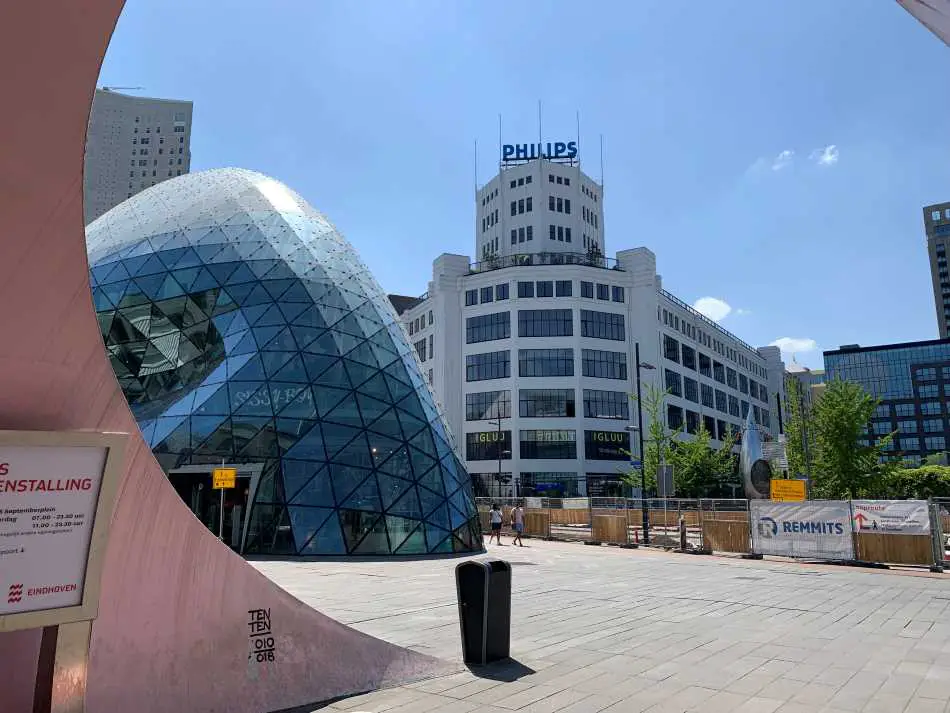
(223, 478)
(57, 491)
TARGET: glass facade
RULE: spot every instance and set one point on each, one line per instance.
(244, 329)
(912, 380)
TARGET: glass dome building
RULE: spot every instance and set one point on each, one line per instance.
(245, 330)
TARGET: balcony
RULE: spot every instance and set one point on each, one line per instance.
(534, 259)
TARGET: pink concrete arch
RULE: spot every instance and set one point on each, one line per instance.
(172, 630)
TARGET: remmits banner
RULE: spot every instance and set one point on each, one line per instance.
(891, 517)
(812, 530)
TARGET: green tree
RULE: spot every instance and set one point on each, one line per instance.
(799, 431)
(656, 440)
(698, 469)
(844, 466)
(927, 481)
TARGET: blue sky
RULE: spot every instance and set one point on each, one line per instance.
(717, 118)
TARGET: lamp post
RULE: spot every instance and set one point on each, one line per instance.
(501, 452)
(644, 506)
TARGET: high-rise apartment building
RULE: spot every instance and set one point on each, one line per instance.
(533, 350)
(937, 227)
(132, 143)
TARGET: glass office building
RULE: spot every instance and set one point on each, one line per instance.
(245, 331)
(913, 382)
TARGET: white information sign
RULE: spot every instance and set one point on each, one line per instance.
(48, 499)
(892, 517)
(814, 529)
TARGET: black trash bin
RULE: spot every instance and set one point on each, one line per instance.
(484, 595)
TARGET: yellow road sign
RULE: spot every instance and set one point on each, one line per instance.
(224, 478)
(787, 491)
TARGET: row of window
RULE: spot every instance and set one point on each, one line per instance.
(671, 319)
(697, 361)
(532, 363)
(554, 444)
(419, 323)
(489, 220)
(689, 389)
(423, 352)
(546, 288)
(521, 206)
(544, 323)
(559, 205)
(678, 417)
(547, 403)
(590, 217)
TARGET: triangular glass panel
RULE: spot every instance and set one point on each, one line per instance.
(364, 497)
(392, 489)
(273, 361)
(345, 479)
(436, 537)
(328, 398)
(292, 310)
(370, 408)
(430, 503)
(256, 404)
(309, 447)
(431, 479)
(262, 446)
(327, 541)
(212, 399)
(202, 427)
(296, 293)
(292, 371)
(151, 266)
(241, 275)
(405, 506)
(252, 370)
(261, 267)
(301, 406)
(257, 295)
(414, 544)
(306, 521)
(276, 288)
(359, 373)
(284, 341)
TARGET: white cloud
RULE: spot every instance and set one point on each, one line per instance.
(742, 312)
(795, 345)
(783, 159)
(713, 307)
(827, 156)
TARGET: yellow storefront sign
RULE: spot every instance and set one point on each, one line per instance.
(224, 478)
(787, 491)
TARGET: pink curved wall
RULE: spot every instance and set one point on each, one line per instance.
(172, 631)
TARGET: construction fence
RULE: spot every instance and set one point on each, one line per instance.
(904, 532)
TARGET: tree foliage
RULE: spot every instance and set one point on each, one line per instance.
(656, 439)
(844, 465)
(927, 481)
(799, 432)
(699, 469)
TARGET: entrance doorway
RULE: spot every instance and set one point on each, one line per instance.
(193, 485)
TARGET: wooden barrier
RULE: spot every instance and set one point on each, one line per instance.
(537, 523)
(893, 549)
(570, 516)
(609, 528)
(726, 532)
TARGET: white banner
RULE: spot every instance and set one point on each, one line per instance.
(48, 498)
(813, 530)
(892, 517)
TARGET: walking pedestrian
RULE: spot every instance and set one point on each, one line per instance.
(495, 517)
(517, 524)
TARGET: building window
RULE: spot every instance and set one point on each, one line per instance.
(549, 443)
(927, 391)
(560, 233)
(567, 206)
(674, 417)
(490, 365)
(528, 204)
(910, 444)
(487, 294)
(606, 445)
(514, 236)
(421, 349)
(603, 292)
(545, 288)
(567, 235)
(689, 357)
(602, 325)
(513, 184)
(692, 421)
(501, 291)
(488, 445)
(935, 443)
(930, 408)
(521, 205)
(552, 232)
(722, 402)
(529, 232)
(674, 384)
(562, 288)
(709, 423)
(927, 374)
(471, 297)
(545, 323)
(587, 290)
(525, 289)
(691, 389)
(671, 348)
(487, 327)
(546, 403)
(551, 203)
(931, 425)
(604, 365)
(485, 405)
(743, 409)
(514, 208)
(520, 235)
(732, 378)
(719, 372)
(904, 409)
(733, 406)
(431, 346)
(545, 362)
(743, 384)
(617, 294)
(430, 317)
(606, 404)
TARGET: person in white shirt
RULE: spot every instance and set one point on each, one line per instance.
(517, 524)
(495, 517)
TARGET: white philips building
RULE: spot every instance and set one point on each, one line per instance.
(543, 331)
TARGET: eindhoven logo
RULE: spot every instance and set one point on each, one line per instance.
(767, 527)
(15, 594)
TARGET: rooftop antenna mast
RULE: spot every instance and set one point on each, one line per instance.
(499, 144)
(476, 165)
(578, 143)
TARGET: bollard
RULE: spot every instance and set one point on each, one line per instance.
(682, 533)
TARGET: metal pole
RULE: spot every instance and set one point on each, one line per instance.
(221, 512)
(498, 446)
(643, 466)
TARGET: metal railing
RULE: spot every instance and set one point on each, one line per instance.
(544, 258)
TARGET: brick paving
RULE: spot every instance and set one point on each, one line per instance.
(629, 631)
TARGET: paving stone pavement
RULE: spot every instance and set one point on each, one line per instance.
(630, 631)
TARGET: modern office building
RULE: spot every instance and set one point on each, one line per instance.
(532, 350)
(810, 380)
(912, 380)
(245, 331)
(937, 227)
(132, 143)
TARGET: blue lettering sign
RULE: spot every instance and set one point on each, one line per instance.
(525, 152)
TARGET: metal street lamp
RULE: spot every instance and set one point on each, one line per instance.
(501, 453)
(644, 505)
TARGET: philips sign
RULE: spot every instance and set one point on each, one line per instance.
(527, 152)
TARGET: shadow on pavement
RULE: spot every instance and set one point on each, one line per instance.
(507, 671)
